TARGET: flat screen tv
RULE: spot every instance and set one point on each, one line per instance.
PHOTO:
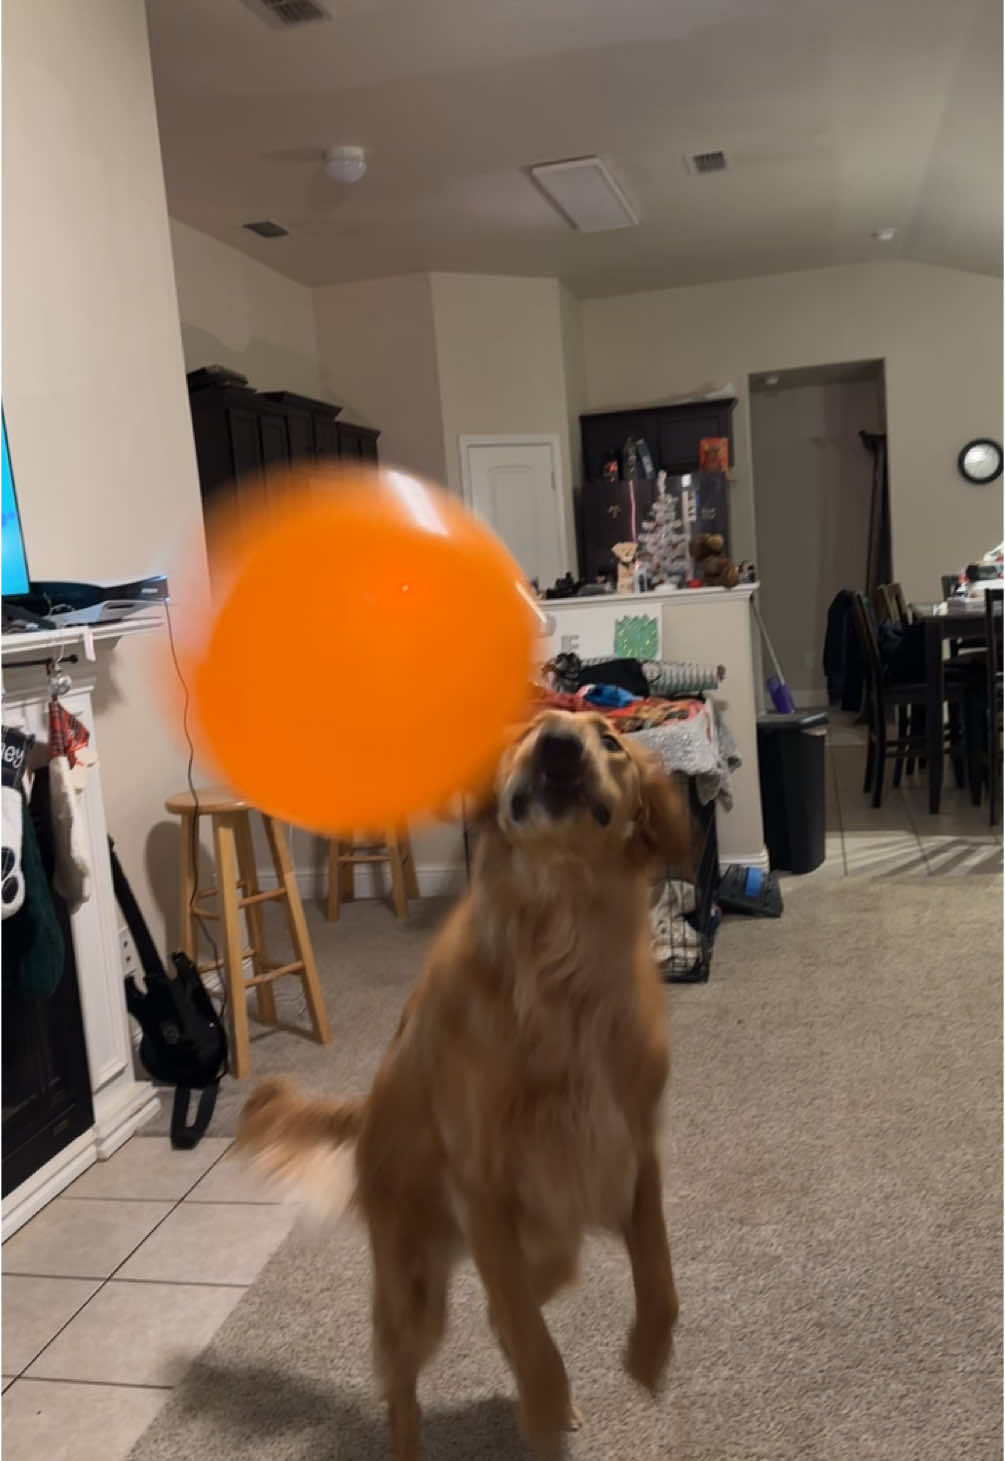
(15, 564)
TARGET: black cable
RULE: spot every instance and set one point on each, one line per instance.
(193, 908)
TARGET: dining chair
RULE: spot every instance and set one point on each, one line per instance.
(900, 604)
(885, 604)
(984, 706)
(993, 625)
(883, 697)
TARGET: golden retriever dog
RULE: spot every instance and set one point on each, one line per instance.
(517, 1105)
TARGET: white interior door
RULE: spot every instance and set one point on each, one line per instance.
(514, 486)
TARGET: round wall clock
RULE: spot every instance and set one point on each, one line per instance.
(980, 460)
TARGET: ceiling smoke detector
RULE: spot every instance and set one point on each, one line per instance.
(345, 164)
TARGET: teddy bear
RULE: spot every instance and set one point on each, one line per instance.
(714, 568)
(625, 555)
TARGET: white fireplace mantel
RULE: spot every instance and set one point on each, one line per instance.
(121, 1102)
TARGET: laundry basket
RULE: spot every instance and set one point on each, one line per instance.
(683, 915)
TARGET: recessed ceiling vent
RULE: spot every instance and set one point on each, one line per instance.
(281, 14)
(700, 162)
(265, 228)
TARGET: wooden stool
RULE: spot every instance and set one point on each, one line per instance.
(343, 855)
(237, 888)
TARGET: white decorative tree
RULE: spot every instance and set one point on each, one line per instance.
(663, 541)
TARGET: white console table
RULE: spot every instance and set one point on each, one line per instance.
(121, 1102)
(709, 626)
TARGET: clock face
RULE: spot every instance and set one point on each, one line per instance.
(980, 460)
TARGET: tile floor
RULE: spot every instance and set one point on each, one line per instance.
(115, 1286)
(111, 1291)
(901, 837)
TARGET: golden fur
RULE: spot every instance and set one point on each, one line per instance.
(517, 1105)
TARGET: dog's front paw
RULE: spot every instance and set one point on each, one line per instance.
(650, 1343)
(547, 1412)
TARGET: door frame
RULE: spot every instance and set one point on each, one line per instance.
(549, 439)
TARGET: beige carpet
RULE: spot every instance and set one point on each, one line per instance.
(833, 1185)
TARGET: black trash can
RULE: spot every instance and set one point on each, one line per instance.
(791, 750)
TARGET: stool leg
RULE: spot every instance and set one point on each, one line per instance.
(399, 897)
(225, 841)
(348, 879)
(265, 995)
(299, 935)
(411, 879)
(187, 885)
(333, 903)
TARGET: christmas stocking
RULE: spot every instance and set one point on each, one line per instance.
(16, 745)
(67, 747)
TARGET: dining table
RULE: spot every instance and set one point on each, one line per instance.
(942, 625)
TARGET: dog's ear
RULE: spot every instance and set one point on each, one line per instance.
(664, 828)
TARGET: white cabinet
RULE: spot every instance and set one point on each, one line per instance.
(711, 626)
(121, 1102)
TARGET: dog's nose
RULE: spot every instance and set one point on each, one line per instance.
(560, 755)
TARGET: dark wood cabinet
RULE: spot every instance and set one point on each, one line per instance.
(241, 435)
(327, 439)
(672, 434)
(357, 443)
(610, 512)
(613, 512)
(46, 1081)
(274, 438)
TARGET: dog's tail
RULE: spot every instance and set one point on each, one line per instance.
(303, 1143)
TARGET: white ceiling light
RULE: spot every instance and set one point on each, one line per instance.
(884, 235)
(345, 164)
(586, 194)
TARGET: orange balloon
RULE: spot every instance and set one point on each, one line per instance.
(372, 644)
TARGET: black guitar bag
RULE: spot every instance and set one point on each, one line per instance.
(184, 1043)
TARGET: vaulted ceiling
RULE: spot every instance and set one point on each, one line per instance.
(836, 119)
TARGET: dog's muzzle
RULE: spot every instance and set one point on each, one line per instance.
(559, 779)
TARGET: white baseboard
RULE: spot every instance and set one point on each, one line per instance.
(758, 859)
(49, 1181)
(435, 879)
(120, 1111)
(116, 1117)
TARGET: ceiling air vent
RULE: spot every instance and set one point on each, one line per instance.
(265, 228)
(281, 14)
(699, 162)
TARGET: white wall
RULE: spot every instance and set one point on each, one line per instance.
(501, 362)
(937, 330)
(236, 312)
(573, 365)
(93, 374)
(377, 350)
(814, 487)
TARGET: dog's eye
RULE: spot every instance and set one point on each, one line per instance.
(609, 742)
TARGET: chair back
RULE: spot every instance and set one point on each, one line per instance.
(883, 601)
(900, 605)
(868, 642)
(949, 582)
(993, 634)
